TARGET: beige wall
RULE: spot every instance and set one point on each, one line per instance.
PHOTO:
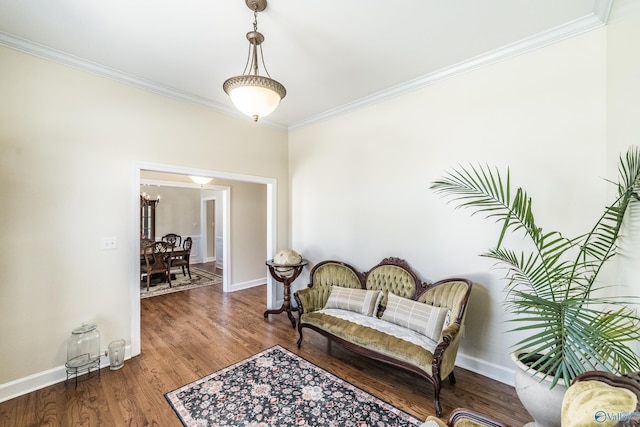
(623, 113)
(543, 114)
(249, 231)
(558, 116)
(178, 212)
(68, 142)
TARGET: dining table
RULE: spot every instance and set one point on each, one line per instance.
(175, 253)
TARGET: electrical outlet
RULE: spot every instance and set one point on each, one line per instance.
(108, 243)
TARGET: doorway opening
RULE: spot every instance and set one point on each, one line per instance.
(224, 201)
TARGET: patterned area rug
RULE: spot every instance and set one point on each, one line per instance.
(279, 388)
(198, 279)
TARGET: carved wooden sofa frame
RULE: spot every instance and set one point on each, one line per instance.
(390, 275)
(464, 417)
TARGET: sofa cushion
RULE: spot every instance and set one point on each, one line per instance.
(588, 403)
(383, 326)
(371, 339)
(359, 300)
(423, 318)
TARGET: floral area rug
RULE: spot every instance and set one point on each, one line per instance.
(279, 388)
(198, 279)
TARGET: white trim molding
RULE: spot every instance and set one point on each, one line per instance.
(598, 18)
(46, 378)
(485, 368)
(579, 26)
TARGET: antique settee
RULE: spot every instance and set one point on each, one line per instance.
(388, 314)
(594, 398)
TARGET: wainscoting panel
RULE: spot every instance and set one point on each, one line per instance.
(196, 252)
(219, 252)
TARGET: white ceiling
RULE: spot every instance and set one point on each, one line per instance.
(331, 55)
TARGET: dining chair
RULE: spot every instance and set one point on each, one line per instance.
(174, 239)
(182, 260)
(143, 244)
(157, 257)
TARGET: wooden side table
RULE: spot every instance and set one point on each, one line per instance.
(286, 281)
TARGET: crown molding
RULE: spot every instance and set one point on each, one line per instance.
(590, 22)
(18, 43)
(576, 27)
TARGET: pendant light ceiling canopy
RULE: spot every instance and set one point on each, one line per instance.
(255, 95)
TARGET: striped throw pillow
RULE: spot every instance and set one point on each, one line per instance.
(359, 300)
(423, 318)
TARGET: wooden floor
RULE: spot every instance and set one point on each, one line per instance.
(189, 334)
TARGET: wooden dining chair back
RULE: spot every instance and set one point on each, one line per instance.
(157, 257)
(183, 259)
(174, 239)
(143, 244)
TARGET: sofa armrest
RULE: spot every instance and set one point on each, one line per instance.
(444, 356)
(309, 300)
(432, 421)
(466, 417)
(449, 333)
(463, 417)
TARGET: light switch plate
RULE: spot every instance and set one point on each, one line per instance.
(108, 243)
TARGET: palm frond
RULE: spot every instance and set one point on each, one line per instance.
(483, 190)
(550, 289)
(600, 244)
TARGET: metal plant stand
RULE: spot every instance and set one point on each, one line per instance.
(81, 364)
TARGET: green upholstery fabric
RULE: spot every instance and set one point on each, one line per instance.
(391, 278)
(447, 293)
(432, 421)
(449, 356)
(466, 422)
(395, 276)
(450, 294)
(589, 401)
(372, 339)
(325, 276)
(462, 417)
(586, 400)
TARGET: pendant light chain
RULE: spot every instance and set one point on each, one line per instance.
(255, 18)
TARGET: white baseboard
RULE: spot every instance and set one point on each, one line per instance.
(249, 284)
(487, 369)
(44, 379)
(32, 383)
(49, 377)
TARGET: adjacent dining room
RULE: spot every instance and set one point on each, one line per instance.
(196, 229)
(177, 230)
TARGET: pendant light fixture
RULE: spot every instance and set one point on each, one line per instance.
(254, 95)
(202, 180)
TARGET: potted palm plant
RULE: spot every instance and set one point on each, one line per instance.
(552, 290)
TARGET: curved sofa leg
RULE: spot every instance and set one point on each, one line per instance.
(452, 378)
(436, 397)
(300, 339)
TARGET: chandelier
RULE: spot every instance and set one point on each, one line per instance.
(146, 200)
(254, 95)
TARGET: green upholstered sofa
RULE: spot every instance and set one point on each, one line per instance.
(386, 337)
(595, 398)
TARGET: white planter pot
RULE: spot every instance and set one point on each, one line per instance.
(543, 403)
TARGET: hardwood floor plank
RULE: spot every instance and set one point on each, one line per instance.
(187, 335)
